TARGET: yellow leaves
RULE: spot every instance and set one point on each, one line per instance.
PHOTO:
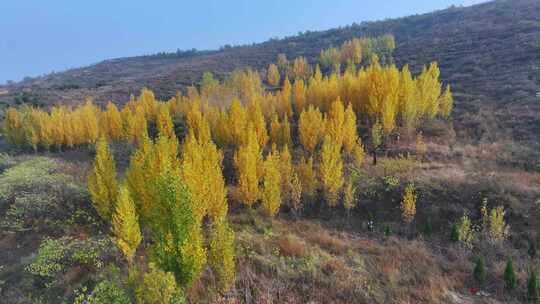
(331, 170)
(237, 122)
(272, 75)
(307, 176)
(311, 128)
(90, 119)
(350, 134)
(256, 117)
(271, 190)
(164, 122)
(201, 171)
(335, 122)
(299, 94)
(113, 121)
(349, 195)
(13, 127)
(408, 204)
(125, 224)
(280, 131)
(247, 161)
(446, 102)
(429, 90)
(102, 183)
(300, 68)
(408, 103)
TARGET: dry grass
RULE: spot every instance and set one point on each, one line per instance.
(291, 246)
(328, 242)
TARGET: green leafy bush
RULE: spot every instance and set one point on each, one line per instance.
(106, 292)
(37, 195)
(56, 255)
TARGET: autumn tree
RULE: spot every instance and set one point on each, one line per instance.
(271, 190)
(247, 162)
(125, 224)
(272, 75)
(201, 171)
(113, 122)
(350, 134)
(311, 128)
(221, 255)
(102, 183)
(446, 102)
(308, 177)
(299, 95)
(408, 204)
(349, 193)
(13, 127)
(335, 122)
(331, 170)
(164, 122)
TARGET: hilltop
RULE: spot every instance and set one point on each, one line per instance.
(489, 53)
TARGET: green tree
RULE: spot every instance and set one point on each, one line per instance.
(158, 287)
(532, 288)
(509, 275)
(454, 235)
(221, 255)
(532, 248)
(479, 272)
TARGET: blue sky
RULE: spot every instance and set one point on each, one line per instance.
(38, 37)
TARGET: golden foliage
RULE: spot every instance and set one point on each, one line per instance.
(102, 183)
(125, 224)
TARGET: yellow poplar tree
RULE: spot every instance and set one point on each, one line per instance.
(202, 174)
(408, 104)
(247, 161)
(102, 183)
(331, 170)
(13, 127)
(114, 122)
(446, 102)
(90, 122)
(164, 122)
(408, 204)
(273, 76)
(257, 118)
(307, 176)
(299, 93)
(125, 224)
(350, 134)
(311, 128)
(349, 193)
(335, 122)
(271, 190)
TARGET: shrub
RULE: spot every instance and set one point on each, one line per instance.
(222, 253)
(159, 287)
(37, 195)
(54, 256)
(106, 292)
(291, 247)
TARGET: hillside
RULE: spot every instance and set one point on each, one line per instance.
(489, 53)
(359, 186)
